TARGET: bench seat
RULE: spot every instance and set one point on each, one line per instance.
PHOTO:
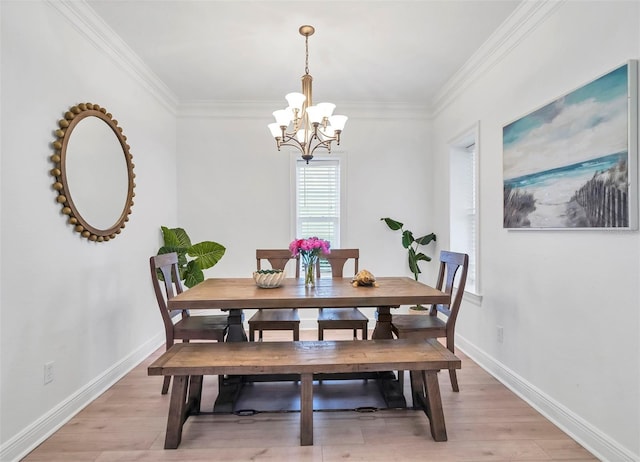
(188, 362)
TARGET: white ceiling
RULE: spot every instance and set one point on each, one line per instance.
(362, 51)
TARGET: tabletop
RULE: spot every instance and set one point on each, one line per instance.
(242, 293)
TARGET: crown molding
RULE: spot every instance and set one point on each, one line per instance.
(263, 109)
(528, 15)
(93, 27)
(525, 18)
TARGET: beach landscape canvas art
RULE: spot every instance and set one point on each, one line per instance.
(571, 164)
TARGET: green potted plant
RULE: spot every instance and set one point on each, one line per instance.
(412, 243)
(205, 254)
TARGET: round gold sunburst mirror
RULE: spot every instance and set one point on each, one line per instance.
(93, 172)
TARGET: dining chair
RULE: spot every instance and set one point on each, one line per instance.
(275, 319)
(431, 325)
(209, 327)
(342, 318)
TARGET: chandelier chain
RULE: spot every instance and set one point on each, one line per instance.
(306, 57)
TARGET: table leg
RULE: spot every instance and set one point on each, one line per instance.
(195, 394)
(229, 387)
(306, 409)
(178, 412)
(390, 387)
(417, 388)
(236, 331)
(434, 404)
(383, 324)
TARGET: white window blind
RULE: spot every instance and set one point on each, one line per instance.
(463, 207)
(318, 200)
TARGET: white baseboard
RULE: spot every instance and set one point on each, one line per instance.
(592, 439)
(29, 438)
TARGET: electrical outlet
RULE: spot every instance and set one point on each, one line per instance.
(48, 372)
(500, 334)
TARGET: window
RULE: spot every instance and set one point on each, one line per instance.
(317, 200)
(463, 203)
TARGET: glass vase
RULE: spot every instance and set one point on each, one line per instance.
(310, 271)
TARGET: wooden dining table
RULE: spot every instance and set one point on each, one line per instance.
(237, 294)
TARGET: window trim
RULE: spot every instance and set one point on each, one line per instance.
(341, 157)
(466, 138)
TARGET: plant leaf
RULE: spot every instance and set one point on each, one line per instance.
(413, 263)
(192, 274)
(424, 240)
(169, 236)
(394, 225)
(175, 237)
(407, 239)
(206, 253)
(422, 257)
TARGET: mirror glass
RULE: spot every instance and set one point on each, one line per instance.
(96, 173)
(93, 172)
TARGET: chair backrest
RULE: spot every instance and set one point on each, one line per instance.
(450, 263)
(169, 287)
(277, 258)
(337, 259)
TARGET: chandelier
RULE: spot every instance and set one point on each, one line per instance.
(303, 125)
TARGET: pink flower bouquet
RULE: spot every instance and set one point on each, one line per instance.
(309, 250)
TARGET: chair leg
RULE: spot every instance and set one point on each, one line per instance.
(165, 384)
(252, 334)
(167, 378)
(454, 379)
(320, 333)
(452, 372)
(296, 333)
(364, 332)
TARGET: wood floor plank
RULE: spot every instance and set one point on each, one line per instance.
(97, 441)
(564, 449)
(485, 422)
(63, 456)
(428, 451)
(263, 454)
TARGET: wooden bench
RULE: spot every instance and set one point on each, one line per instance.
(188, 362)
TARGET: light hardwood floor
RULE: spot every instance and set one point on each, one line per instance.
(485, 422)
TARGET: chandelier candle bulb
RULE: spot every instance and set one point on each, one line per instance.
(275, 130)
(283, 117)
(326, 109)
(303, 125)
(338, 122)
(296, 100)
(315, 114)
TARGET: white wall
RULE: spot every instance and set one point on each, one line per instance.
(88, 307)
(568, 300)
(234, 186)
